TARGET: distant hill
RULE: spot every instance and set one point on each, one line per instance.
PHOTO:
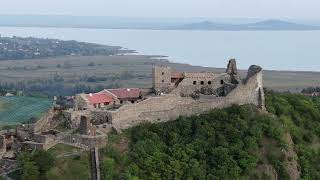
(100, 22)
(262, 25)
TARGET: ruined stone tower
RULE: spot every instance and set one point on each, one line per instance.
(233, 72)
(86, 127)
(161, 79)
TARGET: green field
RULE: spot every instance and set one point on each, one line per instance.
(14, 110)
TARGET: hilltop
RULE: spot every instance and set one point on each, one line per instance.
(239, 142)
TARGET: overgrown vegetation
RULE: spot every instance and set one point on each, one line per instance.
(62, 162)
(70, 168)
(311, 90)
(301, 117)
(217, 145)
(233, 143)
(33, 166)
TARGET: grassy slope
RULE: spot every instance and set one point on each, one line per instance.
(74, 167)
(69, 168)
(139, 66)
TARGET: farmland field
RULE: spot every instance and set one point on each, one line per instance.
(121, 71)
(14, 110)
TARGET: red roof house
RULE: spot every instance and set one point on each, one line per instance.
(126, 93)
(100, 97)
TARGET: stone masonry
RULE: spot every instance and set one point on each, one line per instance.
(184, 94)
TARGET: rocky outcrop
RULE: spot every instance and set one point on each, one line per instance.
(291, 157)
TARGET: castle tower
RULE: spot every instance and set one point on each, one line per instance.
(161, 79)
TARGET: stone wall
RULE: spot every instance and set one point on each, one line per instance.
(39, 146)
(84, 141)
(193, 82)
(170, 106)
(190, 82)
(46, 122)
(180, 101)
(86, 126)
(81, 102)
(73, 117)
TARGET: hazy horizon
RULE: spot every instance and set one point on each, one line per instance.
(266, 9)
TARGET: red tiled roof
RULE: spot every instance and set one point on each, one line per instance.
(126, 93)
(100, 97)
(176, 75)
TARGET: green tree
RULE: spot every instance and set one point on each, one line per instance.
(30, 171)
(44, 160)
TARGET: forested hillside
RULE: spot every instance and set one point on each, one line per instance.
(239, 142)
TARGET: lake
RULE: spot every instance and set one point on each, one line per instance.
(276, 50)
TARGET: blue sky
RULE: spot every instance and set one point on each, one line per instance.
(298, 9)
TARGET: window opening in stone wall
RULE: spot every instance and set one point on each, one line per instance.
(202, 82)
(209, 82)
(162, 80)
(194, 82)
(222, 82)
(162, 73)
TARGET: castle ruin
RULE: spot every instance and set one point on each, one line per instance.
(173, 94)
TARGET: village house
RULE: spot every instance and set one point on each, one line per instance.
(108, 98)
